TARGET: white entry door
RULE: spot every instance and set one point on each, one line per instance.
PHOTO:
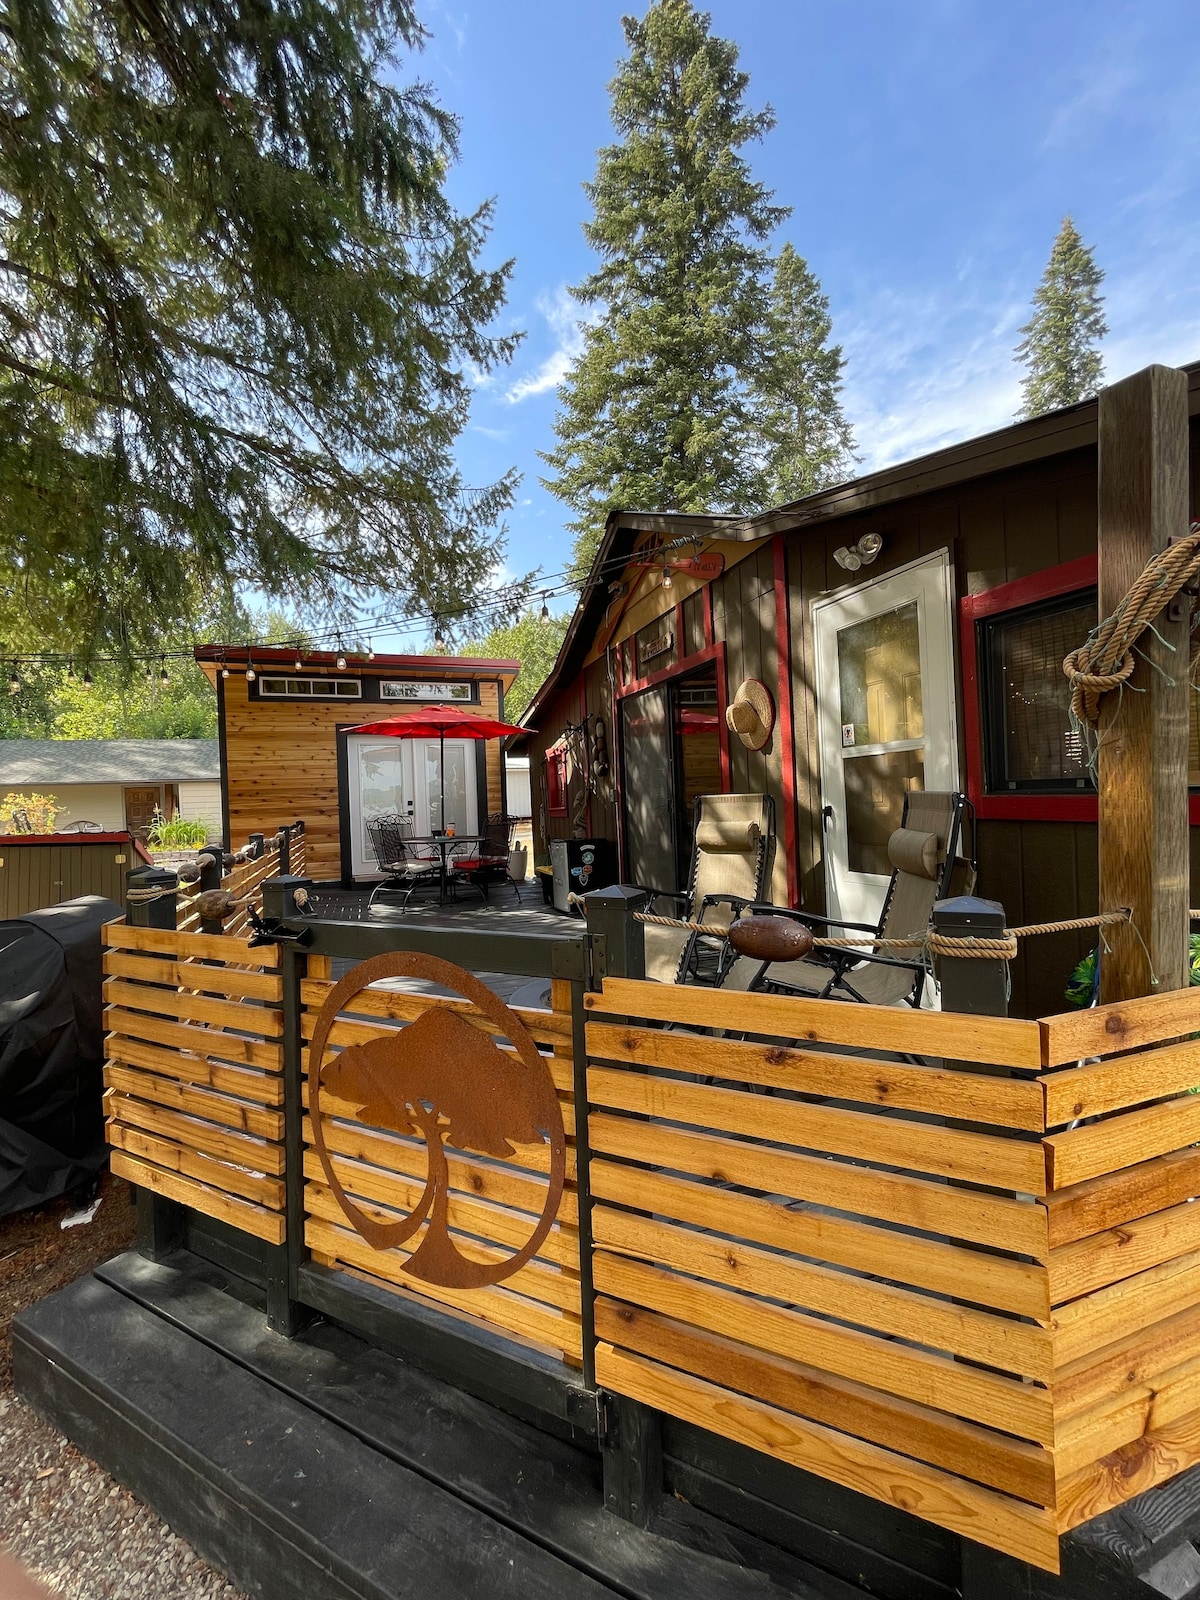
(402, 777)
(885, 720)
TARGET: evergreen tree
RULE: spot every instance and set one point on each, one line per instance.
(656, 413)
(534, 641)
(1058, 350)
(808, 443)
(236, 311)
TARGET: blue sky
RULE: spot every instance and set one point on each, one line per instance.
(929, 149)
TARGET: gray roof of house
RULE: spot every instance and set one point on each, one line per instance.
(59, 761)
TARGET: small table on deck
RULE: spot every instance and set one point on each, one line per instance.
(443, 844)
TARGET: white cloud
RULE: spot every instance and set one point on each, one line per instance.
(566, 319)
(499, 434)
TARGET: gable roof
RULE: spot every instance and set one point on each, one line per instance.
(62, 761)
(1039, 438)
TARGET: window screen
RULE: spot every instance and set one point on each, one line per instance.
(1030, 745)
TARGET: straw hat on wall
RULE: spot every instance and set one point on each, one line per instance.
(751, 715)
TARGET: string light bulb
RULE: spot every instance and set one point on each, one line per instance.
(439, 642)
(297, 663)
(545, 610)
(87, 679)
(341, 655)
(370, 651)
(667, 580)
(14, 681)
(250, 672)
(163, 679)
(224, 670)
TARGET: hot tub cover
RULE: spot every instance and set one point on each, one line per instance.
(51, 1050)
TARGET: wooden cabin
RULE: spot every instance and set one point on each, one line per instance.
(909, 627)
(284, 718)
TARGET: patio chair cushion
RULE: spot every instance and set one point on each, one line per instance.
(915, 853)
(722, 835)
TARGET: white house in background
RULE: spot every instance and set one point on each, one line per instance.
(520, 800)
(118, 783)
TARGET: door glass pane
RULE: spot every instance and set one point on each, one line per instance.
(648, 832)
(458, 774)
(879, 674)
(381, 788)
(875, 790)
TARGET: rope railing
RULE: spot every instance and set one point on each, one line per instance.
(969, 946)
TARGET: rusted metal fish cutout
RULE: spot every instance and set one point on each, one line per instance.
(441, 1077)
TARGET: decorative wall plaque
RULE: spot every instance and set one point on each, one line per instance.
(441, 1077)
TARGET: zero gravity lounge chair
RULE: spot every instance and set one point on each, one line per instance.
(732, 853)
(926, 867)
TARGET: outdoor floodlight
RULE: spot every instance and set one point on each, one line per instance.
(860, 554)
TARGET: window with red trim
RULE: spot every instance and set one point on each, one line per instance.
(1024, 758)
(556, 780)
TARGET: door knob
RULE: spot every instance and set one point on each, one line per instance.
(826, 817)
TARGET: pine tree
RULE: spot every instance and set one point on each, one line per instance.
(808, 443)
(1058, 350)
(236, 314)
(656, 412)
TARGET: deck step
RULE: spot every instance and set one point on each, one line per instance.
(324, 1466)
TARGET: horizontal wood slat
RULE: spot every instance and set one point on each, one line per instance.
(787, 1225)
(262, 1121)
(999, 1041)
(246, 1016)
(198, 946)
(265, 1088)
(1123, 1081)
(1116, 1198)
(1127, 1025)
(996, 1459)
(265, 1191)
(1121, 1141)
(1016, 1347)
(197, 975)
(259, 1155)
(234, 1047)
(539, 1323)
(951, 1502)
(910, 1202)
(1004, 1102)
(263, 1224)
(895, 1141)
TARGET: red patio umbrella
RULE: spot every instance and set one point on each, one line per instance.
(435, 722)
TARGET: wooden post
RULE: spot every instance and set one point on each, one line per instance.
(1143, 756)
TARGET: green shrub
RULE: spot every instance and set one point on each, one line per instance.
(177, 834)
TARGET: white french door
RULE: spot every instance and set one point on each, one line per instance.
(402, 777)
(885, 720)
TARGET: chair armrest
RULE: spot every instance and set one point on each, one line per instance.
(811, 918)
(663, 894)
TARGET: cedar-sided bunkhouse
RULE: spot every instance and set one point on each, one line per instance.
(284, 718)
(909, 628)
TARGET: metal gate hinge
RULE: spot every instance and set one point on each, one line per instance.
(608, 1421)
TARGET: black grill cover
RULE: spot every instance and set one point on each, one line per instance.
(51, 1051)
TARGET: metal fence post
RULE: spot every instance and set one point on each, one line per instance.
(285, 1314)
(156, 913)
(630, 1432)
(610, 916)
(160, 1222)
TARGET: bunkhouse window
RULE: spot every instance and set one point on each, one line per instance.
(1029, 744)
(556, 780)
(310, 688)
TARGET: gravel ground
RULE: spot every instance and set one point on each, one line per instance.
(60, 1514)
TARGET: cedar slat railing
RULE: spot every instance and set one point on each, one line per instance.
(990, 1323)
(967, 1286)
(193, 1072)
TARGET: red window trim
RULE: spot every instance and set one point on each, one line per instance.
(1071, 575)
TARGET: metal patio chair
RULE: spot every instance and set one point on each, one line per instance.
(732, 854)
(407, 869)
(487, 863)
(926, 867)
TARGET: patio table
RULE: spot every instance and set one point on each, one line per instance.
(444, 844)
